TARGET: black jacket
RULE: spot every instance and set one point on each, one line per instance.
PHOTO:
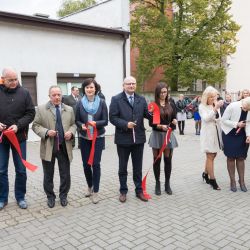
(100, 117)
(16, 107)
(167, 120)
(121, 112)
(180, 106)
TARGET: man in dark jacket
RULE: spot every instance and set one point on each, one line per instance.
(71, 100)
(16, 113)
(127, 112)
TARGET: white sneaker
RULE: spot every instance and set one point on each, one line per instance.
(88, 192)
(95, 198)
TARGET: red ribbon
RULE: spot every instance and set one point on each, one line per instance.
(93, 138)
(10, 134)
(156, 112)
(144, 180)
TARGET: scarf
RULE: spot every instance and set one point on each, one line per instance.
(91, 110)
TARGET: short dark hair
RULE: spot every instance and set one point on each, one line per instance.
(87, 82)
(73, 88)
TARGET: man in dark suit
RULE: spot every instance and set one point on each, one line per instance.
(71, 100)
(127, 112)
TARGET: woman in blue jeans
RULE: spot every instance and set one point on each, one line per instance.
(91, 114)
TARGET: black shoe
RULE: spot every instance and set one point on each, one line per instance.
(243, 187)
(205, 177)
(51, 202)
(214, 184)
(168, 189)
(64, 202)
(158, 188)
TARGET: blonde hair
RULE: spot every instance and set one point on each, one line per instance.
(209, 91)
(246, 103)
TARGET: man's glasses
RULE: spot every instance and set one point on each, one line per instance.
(11, 80)
(131, 83)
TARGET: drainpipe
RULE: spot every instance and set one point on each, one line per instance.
(125, 37)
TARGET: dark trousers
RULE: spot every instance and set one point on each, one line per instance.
(64, 171)
(136, 151)
(92, 174)
(21, 177)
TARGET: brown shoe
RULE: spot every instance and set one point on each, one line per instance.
(141, 197)
(122, 198)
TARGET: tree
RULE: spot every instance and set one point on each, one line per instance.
(71, 6)
(189, 39)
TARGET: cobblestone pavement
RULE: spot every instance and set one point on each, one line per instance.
(194, 217)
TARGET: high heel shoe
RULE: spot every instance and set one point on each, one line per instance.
(233, 187)
(214, 184)
(243, 188)
(205, 177)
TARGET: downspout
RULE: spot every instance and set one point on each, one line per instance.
(125, 37)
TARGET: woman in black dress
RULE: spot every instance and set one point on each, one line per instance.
(235, 129)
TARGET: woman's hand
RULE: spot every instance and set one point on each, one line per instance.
(241, 124)
(174, 122)
(84, 127)
(248, 139)
(92, 123)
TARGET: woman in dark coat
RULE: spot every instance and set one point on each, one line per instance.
(91, 112)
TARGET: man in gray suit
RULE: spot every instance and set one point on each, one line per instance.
(55, 124)
(72, 100)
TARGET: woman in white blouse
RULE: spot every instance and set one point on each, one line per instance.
(236, 134)
(210, 132)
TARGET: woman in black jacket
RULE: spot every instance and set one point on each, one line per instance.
(91, 114)
(158, 135)
(181, 113)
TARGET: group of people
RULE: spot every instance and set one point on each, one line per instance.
(57, 121)
(225, 126)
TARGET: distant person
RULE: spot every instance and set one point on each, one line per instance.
(181, 113)
(235, 129)
(243, 94)
(227, 101)
(99, 92)
(55, 124)
(127, 112)
(197, 119)
(17, 111)
(71, 100)
(92, 112)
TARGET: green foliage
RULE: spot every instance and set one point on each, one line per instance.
(71, 6)
(189, 43)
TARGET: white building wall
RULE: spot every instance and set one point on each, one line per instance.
(49, 52)
(110, 14)
(238, 73)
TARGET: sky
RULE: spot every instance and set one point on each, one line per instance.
(31, 7)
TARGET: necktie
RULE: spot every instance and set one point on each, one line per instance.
(59, 126)
(131, 100)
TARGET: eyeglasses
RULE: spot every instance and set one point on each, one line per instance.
(11, 80)
(130, 83)
(163, 92)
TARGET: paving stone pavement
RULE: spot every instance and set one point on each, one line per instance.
(194, 217)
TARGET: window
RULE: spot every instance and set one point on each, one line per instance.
(28, 80)
(68, 80)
